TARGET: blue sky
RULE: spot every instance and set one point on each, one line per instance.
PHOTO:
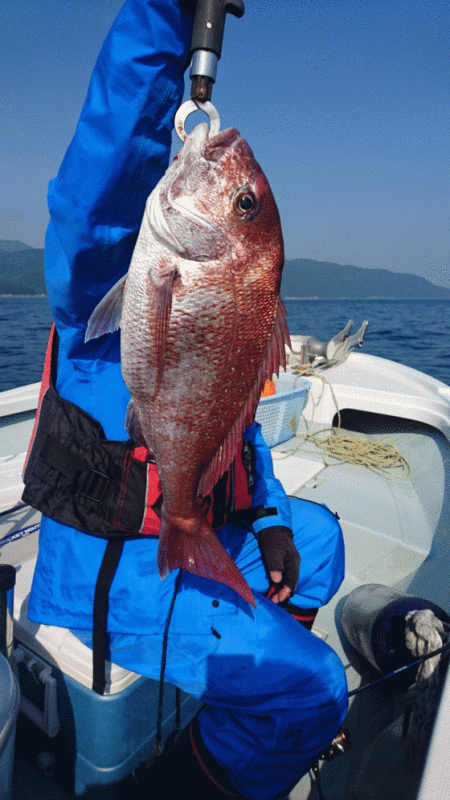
(344, 102)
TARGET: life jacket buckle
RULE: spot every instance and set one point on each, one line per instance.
(92, 485)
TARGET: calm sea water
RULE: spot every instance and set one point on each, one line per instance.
(412, 332)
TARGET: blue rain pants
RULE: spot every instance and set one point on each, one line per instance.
(274, 694)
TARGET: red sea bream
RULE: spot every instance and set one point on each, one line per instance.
(202, 327)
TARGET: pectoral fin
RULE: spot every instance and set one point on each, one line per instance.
(162, 294)
(107, 315)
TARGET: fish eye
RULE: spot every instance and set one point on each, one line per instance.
(244, 202)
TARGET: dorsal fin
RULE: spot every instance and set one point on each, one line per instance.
(273, 358)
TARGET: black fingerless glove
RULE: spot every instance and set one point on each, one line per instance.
(280, 553)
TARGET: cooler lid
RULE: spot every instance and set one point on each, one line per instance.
(59, 646)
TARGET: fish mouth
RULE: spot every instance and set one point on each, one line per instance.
(212, 149)
(228, 142)
(216, 146)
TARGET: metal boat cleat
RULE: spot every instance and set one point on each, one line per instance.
(340, 345)
(188, 108)
(357, 339)
(320, 355)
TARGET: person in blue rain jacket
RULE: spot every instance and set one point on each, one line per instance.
(273, 694)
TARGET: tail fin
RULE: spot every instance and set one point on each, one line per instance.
(190, 543)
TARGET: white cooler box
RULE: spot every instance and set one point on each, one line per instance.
(87, 741)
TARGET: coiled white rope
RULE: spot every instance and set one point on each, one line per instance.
(382, 458)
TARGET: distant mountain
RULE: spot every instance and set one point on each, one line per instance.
(13, 246)
(21, 268)
(304, 277)
(22, 272)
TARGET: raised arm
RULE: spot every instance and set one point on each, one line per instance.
(120, 150)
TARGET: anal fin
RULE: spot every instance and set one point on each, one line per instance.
(132, 424)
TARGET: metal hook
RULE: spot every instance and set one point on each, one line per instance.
(194, 105)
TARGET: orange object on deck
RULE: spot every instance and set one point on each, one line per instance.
(269, 389)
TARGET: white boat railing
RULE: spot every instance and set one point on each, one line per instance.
(15, 401)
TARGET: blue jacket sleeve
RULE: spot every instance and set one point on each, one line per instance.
(120, 150)
(268, 491)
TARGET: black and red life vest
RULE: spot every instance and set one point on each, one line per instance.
(76, 476)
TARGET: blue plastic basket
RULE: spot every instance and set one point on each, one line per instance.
(279, 414)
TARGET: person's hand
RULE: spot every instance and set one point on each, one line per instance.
(282, 561)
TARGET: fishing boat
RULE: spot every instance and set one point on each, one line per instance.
(372, 442)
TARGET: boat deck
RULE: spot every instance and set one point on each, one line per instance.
(396, 534)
